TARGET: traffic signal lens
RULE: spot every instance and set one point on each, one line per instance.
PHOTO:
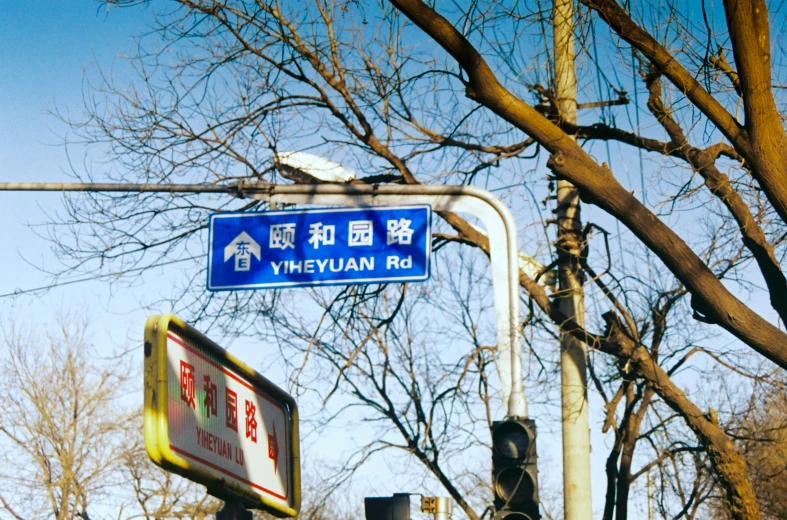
(511, 439)
(515, 485)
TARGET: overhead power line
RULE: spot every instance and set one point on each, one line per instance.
(118, 274)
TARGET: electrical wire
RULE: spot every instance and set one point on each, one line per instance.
(20, 292)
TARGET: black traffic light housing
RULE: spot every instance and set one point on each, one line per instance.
(396, 507)
(514, 469)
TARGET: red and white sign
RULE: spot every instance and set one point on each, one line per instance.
(218, 420)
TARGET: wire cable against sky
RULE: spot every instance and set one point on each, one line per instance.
(72, 281)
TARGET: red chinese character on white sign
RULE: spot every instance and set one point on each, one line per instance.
(232, 410)
(187, 390)
(273, 449)
(251, 421)
(211, 398)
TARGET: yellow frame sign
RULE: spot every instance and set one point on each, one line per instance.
(171, 408)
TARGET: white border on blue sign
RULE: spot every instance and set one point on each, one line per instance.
(357, 281)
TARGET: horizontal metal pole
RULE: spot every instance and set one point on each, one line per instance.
(245, 189)
(116, 187)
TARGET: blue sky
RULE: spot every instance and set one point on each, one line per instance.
(46, 47)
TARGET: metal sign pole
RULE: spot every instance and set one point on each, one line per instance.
(234, 511)
(497, 218)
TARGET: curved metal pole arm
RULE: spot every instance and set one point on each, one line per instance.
(504, 251)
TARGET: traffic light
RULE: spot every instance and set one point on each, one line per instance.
(396, 507)
(514, 470)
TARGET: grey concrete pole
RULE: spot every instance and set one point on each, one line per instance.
(650, 496)
(573, 353)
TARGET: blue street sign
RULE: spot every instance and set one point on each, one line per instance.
(319, 247)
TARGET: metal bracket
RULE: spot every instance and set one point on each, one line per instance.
(440, 507)
(234, 511)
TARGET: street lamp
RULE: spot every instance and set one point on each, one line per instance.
(305, 168)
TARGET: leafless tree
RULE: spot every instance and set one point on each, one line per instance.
(225, 84)
(759, 428)
(62, 423)
(156, 493)
(422, 375)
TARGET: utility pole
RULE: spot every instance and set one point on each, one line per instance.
(573, 369)
(650, 496)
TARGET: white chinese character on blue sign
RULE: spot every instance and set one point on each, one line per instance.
(399, 232)
(282, 236)
(322, 234)
(360, 233)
